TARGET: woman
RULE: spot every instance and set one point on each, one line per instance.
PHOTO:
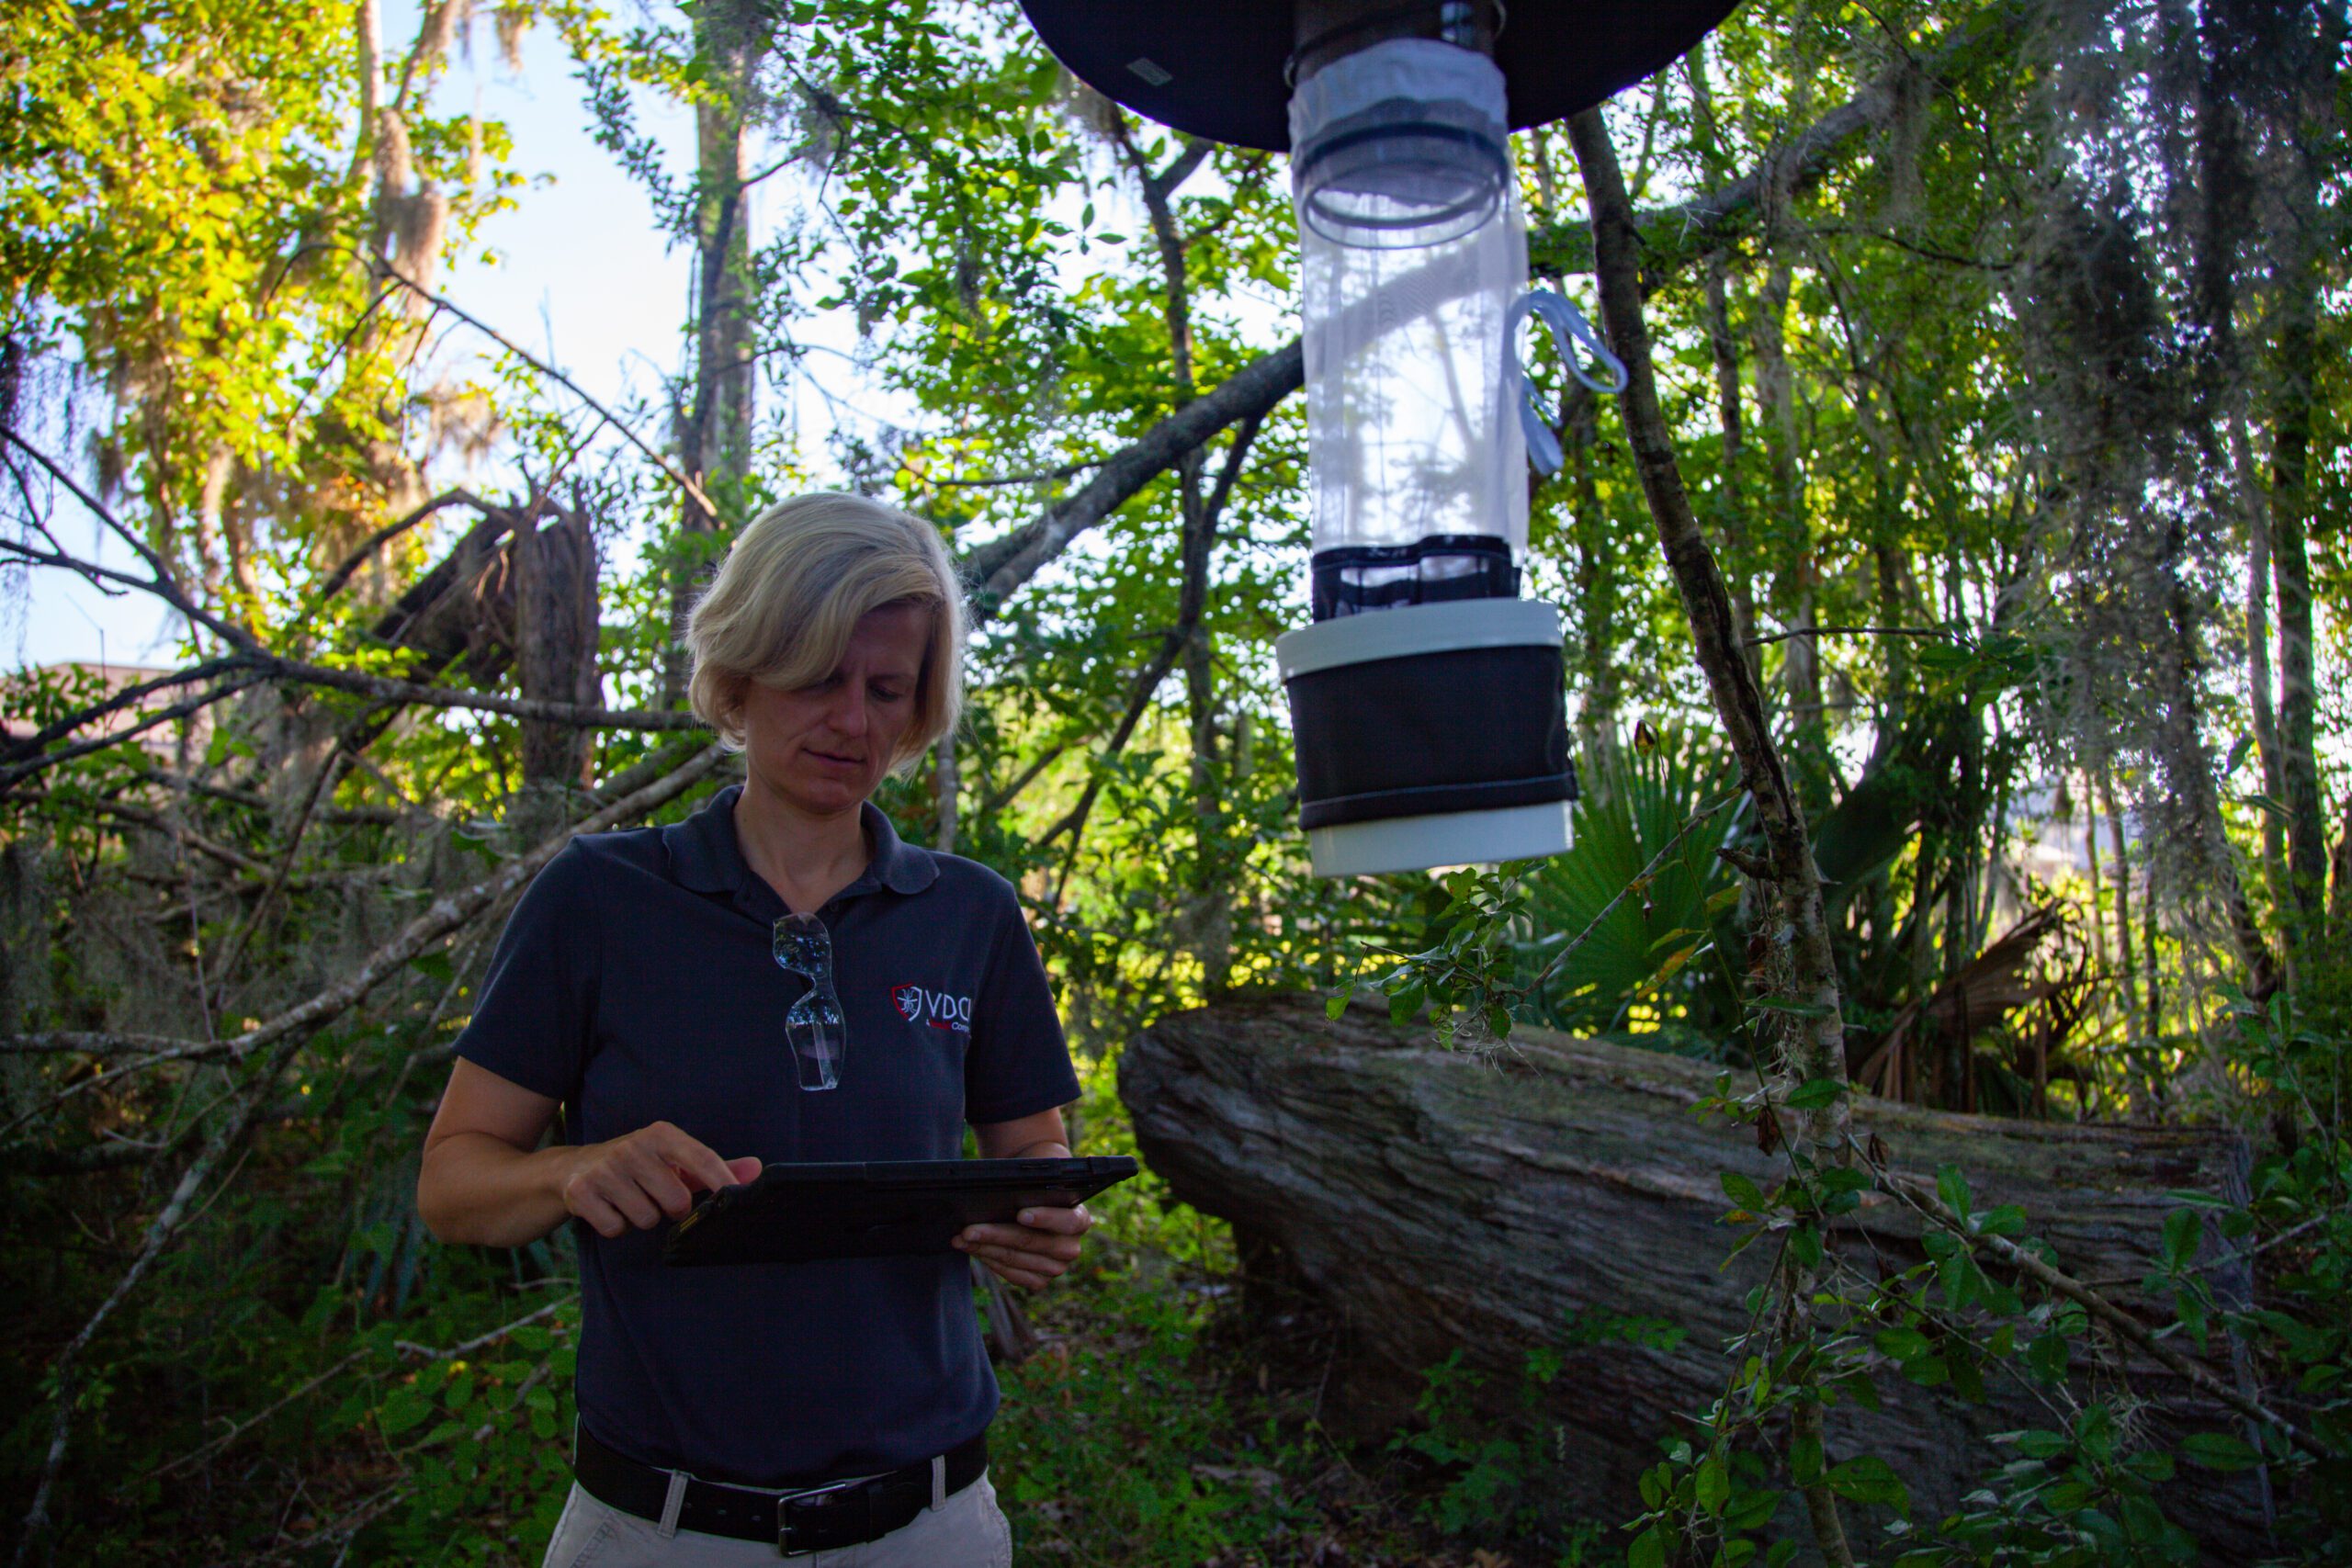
(776, 979)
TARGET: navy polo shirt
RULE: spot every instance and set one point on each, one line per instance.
(637, 983)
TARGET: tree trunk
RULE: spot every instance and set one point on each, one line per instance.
(1732, 521)
(2290, 443)
(2188, 771)
(367, 31)
(1801, 654)
(1797, 962)
(556, 620)
(1208, 912)
(2308, 101)
(1817, 1050)
(1597, 587)
(1786, 518)
(1723, 342)
(715, 439)
(2258, 678)
(459, 615)
(724, 378)
(462, 608)
(1442, 1202)
(2126, 966)
(2099, 882)
(2339, 906)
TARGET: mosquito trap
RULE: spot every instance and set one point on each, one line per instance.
(1427, 696)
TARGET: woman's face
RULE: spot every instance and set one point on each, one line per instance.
(822, 748)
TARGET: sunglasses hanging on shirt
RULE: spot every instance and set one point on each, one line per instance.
(816, 1027)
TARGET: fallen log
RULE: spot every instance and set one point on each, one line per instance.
(1440, 1201)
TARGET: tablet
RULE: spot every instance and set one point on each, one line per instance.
(798, 1213)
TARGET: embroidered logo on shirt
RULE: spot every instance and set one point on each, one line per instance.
(937, 1009)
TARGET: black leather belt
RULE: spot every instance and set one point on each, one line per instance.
(799, 1519)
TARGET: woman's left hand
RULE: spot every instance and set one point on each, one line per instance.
(1033, 1253)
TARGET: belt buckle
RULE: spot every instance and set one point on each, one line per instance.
(784, 1522)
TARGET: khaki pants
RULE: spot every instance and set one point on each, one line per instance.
(967, 1530)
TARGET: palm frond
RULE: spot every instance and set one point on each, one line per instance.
(1636, 799)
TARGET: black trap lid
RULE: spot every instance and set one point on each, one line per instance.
(1214, 68)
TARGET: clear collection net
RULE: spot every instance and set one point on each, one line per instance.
(1414, 249)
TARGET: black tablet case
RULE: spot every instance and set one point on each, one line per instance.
(798, 1214)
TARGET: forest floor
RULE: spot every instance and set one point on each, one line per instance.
(1170, 1417)
(1165, 1421)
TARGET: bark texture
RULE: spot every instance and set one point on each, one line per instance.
(556, 620)
(714, 429)
(1441, 1202)
(1818, 1049)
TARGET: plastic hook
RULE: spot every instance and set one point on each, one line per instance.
(1569, 328)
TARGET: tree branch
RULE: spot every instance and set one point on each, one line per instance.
(284, 1035)
(238, 939)
(1923, 1196)
(1843, 631)
(165, 586)
(1194, 601)
(1164, 183)
(101, 1042)
(1815, 1050)
(1673, 236)
(236, 860)
(385, 269)
(544, 712)
(156, 1050)
(1066, 470)
(384, 536)
(251, 667)
(16, 773)
(1023, 780)
(126, 697)
(1000, 568)
(238, 1430)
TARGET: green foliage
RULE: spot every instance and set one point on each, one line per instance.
(1492, 1470)
(2070, 1499)
(1641, 894)
(1487, 1470)
(2093, 1491)
(1576, 940)
(2011, 521)
(187, 209)
(1118, 1449)
(311, 1325)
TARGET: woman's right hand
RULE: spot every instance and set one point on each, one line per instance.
(486, 1181)
(636, 1182)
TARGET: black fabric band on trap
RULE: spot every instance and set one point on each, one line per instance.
(1470, 730)
(1351, 579)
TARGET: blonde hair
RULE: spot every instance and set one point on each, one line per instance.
(791, 592)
